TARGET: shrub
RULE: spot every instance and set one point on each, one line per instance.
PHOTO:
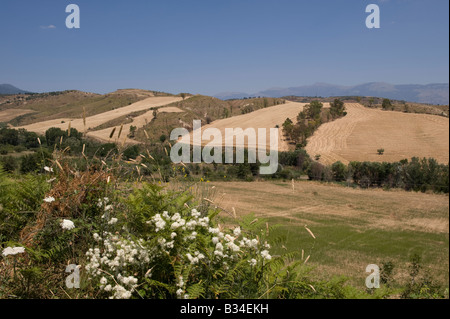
(339, 171)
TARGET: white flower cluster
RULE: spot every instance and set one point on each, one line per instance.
(226, 247)
(196, 258)
(49, 199)
(48, 169)
(104, 203)
(181, 289)
(13, 251)
(190, 240)
(67, 224)
(117, 255)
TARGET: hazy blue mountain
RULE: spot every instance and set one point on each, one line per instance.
(9, 89)
(430, 93)
(231, 95)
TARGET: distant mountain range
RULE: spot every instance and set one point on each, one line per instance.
(430, 93)
(437, 93)
(9, 89)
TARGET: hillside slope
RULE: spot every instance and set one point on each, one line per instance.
(359, 135)
(97, 120)
(264, 118)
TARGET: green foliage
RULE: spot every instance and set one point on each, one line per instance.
(421, 286)
(53, 135)
(131, 152)
(387, 104)
(339, 171)
(9, 136)
(337, 109)
(19, 203)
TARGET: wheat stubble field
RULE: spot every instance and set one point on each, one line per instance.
(353, 227)
(266, 118)
(359, 135)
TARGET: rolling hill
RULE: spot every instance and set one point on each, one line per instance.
(356, 137)
(8, 89)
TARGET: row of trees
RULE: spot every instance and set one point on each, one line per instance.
(310, 119)
(418, 174)
(18, 137)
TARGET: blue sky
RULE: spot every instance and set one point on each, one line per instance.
(212, 46)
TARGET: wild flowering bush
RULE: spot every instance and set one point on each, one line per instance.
(179, 255)
(138, 242)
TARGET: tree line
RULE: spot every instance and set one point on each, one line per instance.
(310, 119)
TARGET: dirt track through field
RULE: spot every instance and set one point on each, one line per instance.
(359, 135)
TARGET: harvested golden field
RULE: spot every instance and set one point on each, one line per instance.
(353, 227)
(359, 135)
(10, 114)
(138, 122)
(99, 119)
(266, 118)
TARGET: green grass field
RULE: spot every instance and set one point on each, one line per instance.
(353, 227)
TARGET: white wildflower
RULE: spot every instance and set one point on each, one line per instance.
(180, 282)
(121, 293)
(49, 199)
(252, 262)
(170, 244)
(193, 260)
(214, 230)
(233, 247)
(190, 225)
(173, 235)
(113, 221)
(175, 225)
(195, 213)
(192, 236)
(229, 238)
(13, 251)
(237, 232)
(265, 254)
(48, 169)
(204, 222)
(67, 224)
(215, 240)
